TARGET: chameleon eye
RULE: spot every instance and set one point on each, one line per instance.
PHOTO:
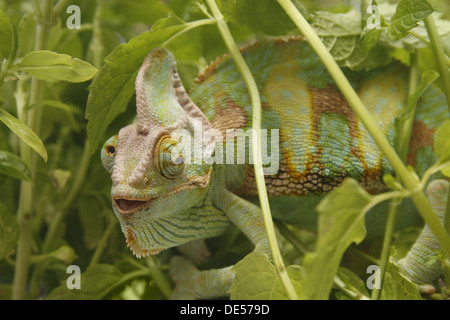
(169, 157)
(110, 150)
(107, 154)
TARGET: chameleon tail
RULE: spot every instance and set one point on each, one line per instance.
(422, 264)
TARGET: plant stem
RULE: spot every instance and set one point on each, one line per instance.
(385, 251)
(158, 277)
(25, 207)
(410, 181)
(103, 241)
(256, 145)
(96, 45)
(438, 52)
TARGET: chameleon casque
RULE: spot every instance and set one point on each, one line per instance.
(163, 201)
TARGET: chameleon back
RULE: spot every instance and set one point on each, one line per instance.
(321, 140)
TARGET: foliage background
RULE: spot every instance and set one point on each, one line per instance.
(71, 217)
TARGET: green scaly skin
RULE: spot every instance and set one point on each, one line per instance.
(162, 200)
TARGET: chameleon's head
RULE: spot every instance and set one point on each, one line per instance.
(156, 174)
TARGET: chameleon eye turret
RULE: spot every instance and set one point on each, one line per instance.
(108, 152)
(169, 157)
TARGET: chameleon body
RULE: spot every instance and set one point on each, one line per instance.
(162, 200)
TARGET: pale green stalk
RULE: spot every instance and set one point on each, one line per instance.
(33, 119)
(364, 116)
(256, 145)
(439, 55)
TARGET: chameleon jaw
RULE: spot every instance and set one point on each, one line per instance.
(127, 207)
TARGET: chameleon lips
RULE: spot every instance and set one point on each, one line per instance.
(129, 206)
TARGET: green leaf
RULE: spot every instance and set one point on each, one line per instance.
(114, 85)
(13, 166)
(397, 287)
(54, 104)
(89, 211)
(341, 222)
(265, 16)
(257, 279)
(53, 67)
(23, 132)
(352, 283)
(96, 282)
(442, 143)
(406, 17)
(9, 232)
(64, 253)
(8, 38)
(340, 33)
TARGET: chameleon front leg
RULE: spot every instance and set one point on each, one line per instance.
(194, 284)
(422, 264)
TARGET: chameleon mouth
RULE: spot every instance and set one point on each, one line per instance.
(127, 206)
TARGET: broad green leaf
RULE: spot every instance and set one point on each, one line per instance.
(406, 17)
(23, 132)
(442, 143)
(9, 231)
(52, 66)
(397, 287)
(96, 282)
(13, 166)
(64, 253)
(114, 85)
(8, 37)
(89, 211)
(340, 33)
(26, 33)
(265, 16)
(257, 279)
(341, 222)
(352, 282)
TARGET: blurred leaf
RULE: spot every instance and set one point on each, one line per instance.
(406, 17)
(23, 132)
(352, 281)
(64, 253)
(260, 15)
(442, 143)
(114, 84)
(147, 11)
(52, 66)
(13, 166)
(5, 292)
(59, 178)
(26, 33)
(341, 222)
(397, 287)
(9, 232)
(96, 282)
(8, 37)
(257, 279)
(90, 213)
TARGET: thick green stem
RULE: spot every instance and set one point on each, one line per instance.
(158, 277)
(439, 55)
(96, 45)
(256, 145)
(409, 181)
(385, 251)
(103, 241)
(25, 208)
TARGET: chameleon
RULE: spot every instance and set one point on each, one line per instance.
(172, 189)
